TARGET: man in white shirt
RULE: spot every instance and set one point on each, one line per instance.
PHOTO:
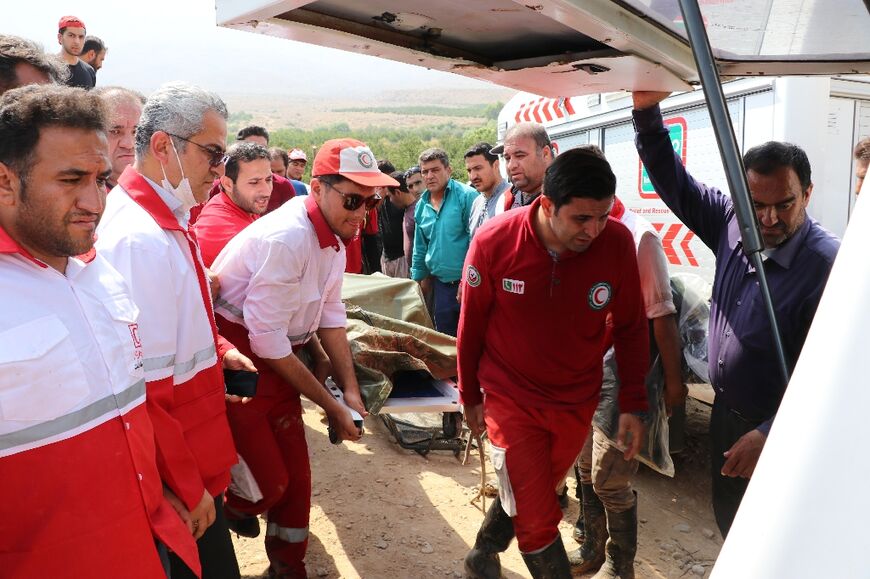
(281, 282)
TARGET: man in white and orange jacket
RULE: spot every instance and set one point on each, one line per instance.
(82, 493)
(180, 142)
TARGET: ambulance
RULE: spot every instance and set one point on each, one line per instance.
(825, 116)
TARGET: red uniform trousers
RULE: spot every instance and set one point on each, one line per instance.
(533, 450)
(270, 436)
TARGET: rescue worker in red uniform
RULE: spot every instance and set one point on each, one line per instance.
(78, 465)
(546, 289)
(245, 190)
(281, 282)
(180, 142)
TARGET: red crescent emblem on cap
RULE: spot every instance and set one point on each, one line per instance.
(366, 160)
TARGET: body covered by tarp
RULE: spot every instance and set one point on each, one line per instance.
(390, 331)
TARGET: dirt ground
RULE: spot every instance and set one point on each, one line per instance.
(379, 511)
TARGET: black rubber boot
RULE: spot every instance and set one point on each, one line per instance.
(494, 537)
(242, 524)
(551, 563)
(621, 546)
(590, 555)
(579, 529)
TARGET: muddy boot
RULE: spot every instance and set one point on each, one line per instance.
(494, 537)
(579, 532)
(621, 546)
(590, 555)
(551, 563)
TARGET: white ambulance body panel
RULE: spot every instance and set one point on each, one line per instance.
(824, 116)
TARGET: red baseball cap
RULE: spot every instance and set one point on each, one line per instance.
(70, 22)
(352, 160)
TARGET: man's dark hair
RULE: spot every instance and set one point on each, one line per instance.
(435, 154)
(252, 131)
(93, 43)
(767, 158)
(279, 153)
(384, 166)
(25, 111)
(484, 149)
(243, 152)
(862, 150)
(15, 50)
(576, 173)
(412, 171)
(592, 149)
(400, 177)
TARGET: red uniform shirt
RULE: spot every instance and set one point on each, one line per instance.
(282, 192)
(533, 326)
(219, 221)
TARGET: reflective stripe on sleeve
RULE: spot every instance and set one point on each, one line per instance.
(224, 304)
(163, 362)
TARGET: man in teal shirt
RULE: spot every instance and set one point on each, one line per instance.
(441, 237)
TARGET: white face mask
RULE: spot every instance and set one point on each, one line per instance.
(182, 192)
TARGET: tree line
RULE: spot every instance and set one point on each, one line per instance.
(401, 146)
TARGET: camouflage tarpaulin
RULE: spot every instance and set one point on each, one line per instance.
(382, 344)
(396, 298)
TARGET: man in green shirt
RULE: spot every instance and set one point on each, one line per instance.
(441, 236)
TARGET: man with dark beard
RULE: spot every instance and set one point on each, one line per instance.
(77, 451)
(245, 190)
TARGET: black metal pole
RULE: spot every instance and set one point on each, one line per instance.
(734, 171)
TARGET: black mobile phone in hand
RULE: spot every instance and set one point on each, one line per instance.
(241, 383)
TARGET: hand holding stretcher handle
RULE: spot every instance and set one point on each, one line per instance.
(333, 429)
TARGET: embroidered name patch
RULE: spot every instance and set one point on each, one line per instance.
(513, 286)
(599, 295)
(472, 276)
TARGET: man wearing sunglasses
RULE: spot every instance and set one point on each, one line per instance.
(281, 282)
(180, 142)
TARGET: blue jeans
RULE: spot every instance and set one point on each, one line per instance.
(446, 306)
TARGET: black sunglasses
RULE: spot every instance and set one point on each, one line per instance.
(353, 201)
(215, 157)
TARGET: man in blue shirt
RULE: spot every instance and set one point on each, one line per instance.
(798, 256)
(441, 236)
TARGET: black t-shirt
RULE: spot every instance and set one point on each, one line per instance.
(82, 74)
(390, 223)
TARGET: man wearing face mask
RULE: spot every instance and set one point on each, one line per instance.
(281, 283)
(180, 141)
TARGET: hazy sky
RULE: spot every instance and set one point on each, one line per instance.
(154, 41)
